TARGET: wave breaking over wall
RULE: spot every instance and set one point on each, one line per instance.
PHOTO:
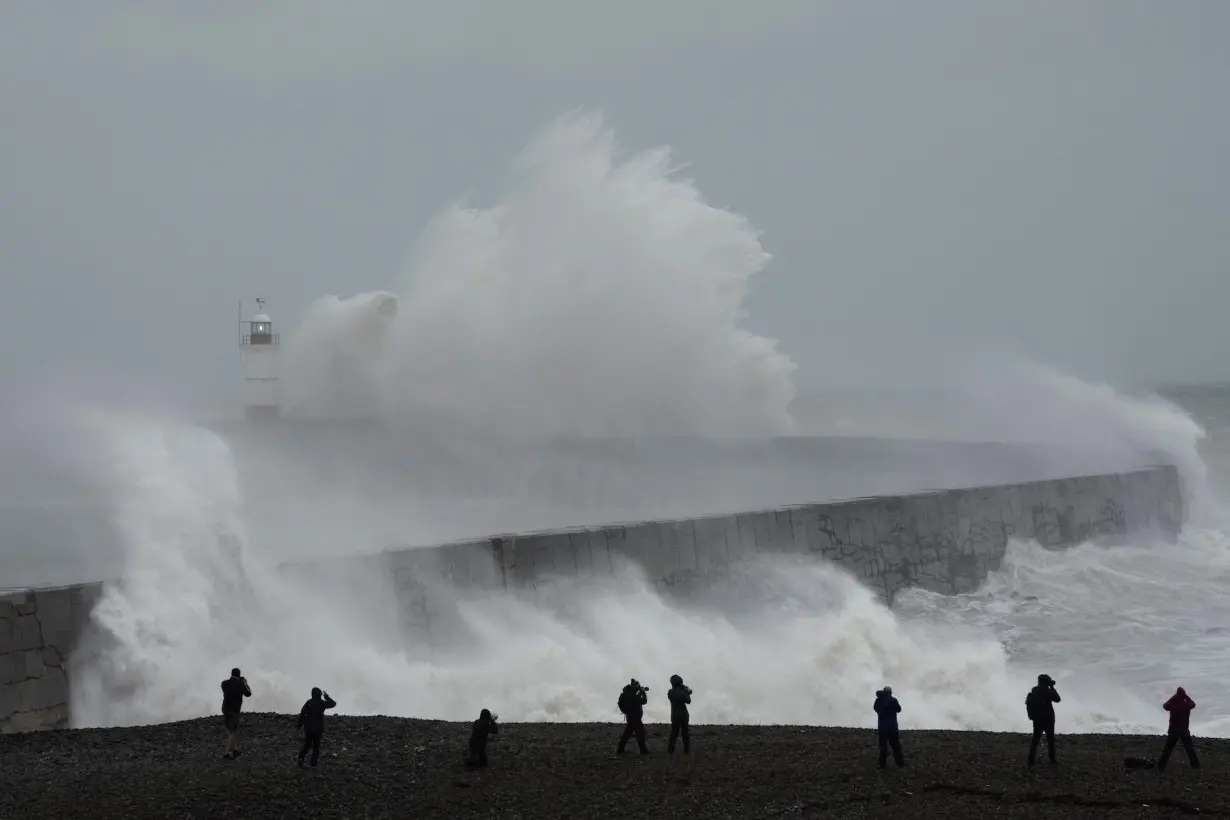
(601, 296)
(543, 645)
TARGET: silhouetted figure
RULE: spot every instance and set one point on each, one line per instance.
(632, 702)
(1040, 706)
(484, 727)
(1180, 707)
(234, 690)
(312, 722)
(887, 708)
(679, 696)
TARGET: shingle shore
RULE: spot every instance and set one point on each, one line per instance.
(377, 767)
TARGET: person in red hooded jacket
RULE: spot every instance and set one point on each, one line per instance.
(1180, 707)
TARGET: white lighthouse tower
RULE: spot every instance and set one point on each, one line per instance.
(259, 346)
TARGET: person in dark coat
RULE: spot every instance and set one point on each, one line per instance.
(234, 690)
(632, 702)
(1180, 707)
(484, 727)
(312, 722)
(679, 696)
(887, 708)
(1040, 706)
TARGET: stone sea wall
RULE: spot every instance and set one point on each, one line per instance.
(946, 541)
(38, 633)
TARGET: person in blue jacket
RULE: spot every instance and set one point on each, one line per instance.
(887, 708)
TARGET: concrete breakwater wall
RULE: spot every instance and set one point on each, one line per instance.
(946, 541)
(38, 634)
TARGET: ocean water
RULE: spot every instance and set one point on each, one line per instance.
(602, 296)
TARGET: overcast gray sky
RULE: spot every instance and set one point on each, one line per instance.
(1046, 175)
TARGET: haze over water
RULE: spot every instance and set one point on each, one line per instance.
(603, 296)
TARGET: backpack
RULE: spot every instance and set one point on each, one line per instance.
(623, 701)
(1030, 704)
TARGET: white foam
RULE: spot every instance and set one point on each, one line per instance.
(601, 296)
(332, 365)
(800, 644)
(1013, 399)
(1116, 621)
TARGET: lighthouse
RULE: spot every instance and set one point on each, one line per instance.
(259, 346)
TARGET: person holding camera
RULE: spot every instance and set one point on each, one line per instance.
(679, 696)
(234, 690)
(632, 702)
(1040, 706)
(312, 722)
(887, 708)
(1180, 707)
(484, 727)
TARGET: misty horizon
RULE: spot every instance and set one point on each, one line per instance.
(588, 263)
(1044, 180)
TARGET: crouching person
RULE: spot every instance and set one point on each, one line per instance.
(484, 727)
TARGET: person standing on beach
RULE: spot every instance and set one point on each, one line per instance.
(312, 722)
(679, 696)
(234, 690)
(1180, 707)
(484, 727)
(632, 702)
(1040, 706)
(887, 708)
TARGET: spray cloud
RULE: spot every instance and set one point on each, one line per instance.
(600, 297)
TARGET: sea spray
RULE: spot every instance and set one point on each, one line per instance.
(1129, 622)
(1014, 399)
(805, 642)
(184, 597)
(332, 366)
(601, 296)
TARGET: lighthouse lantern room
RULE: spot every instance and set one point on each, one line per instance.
(259, 346)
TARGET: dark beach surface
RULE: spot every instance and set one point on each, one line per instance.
(374, 767)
